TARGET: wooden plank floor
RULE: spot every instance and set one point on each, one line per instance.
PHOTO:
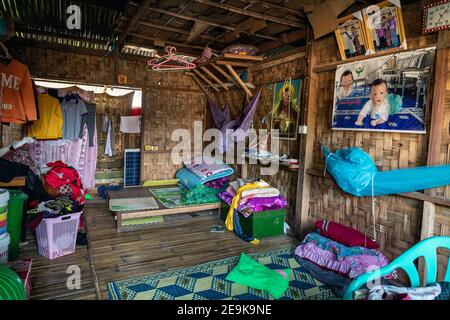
(181, 242)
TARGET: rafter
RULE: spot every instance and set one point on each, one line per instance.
(222, 72)
(273, 6)
(135, 18)
(201, 20)
(252, 13)
(238, 79)
(212, 76)
(205, 79)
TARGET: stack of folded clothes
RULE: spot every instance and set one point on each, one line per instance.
(336, 254)
(253, 199)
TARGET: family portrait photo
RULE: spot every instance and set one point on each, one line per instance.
(286, 107)
(387, 93)
(351, 36)
(384, 26)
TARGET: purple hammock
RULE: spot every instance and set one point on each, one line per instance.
(240, 126)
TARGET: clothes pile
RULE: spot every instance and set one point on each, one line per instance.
(254, 196)
(336, 254)
(246, 197)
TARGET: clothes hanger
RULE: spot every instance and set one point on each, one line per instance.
(171, 62)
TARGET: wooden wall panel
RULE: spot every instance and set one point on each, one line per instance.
(398, 219)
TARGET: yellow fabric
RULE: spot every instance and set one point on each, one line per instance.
(235, 202)
(50, 122)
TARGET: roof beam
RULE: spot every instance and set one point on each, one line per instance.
(286, 38)
(274, 6)
(222, 72)
(252, 13)
(134, 19)
(200, 20)
(179, 44)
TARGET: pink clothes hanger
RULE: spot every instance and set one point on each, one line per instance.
(170, 62)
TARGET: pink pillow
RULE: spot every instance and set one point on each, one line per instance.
(344, 235)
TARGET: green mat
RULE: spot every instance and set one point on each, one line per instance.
(170, 197)
(207, 282)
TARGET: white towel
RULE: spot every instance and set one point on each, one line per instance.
(130, 124)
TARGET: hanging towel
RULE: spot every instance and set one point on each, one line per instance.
(130, 124)
(109, 147)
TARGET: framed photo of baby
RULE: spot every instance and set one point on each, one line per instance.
(351, 36)
(387, 93)
(384, 26)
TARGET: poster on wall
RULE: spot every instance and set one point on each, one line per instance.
(286, 107)
(383, 23)
(387, 93)
(351, 36)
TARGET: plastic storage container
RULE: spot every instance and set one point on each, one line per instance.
(262, 224)
(16, 206)
(4, 243)
(4, 197)
(57, 237)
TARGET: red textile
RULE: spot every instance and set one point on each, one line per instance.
(344, 235)
(61, 175)
(135, 111)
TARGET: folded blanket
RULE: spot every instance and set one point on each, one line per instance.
(207, 167)
(196, 172)
(259, 193)
(256, 204)
(350, 261)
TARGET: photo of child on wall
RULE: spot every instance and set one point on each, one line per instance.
(387, 93)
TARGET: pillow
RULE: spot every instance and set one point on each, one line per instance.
(250, 273)
(345, 235)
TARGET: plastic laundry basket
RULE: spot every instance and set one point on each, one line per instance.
(57, 237)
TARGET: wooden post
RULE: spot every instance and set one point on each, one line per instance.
(306, 144)
(239, 81)
(435, 137)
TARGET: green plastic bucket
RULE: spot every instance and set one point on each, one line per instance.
(16, 206)
(11, 286)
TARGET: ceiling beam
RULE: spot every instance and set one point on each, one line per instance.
(187, 5)
(274, 6)
(200, 20)
(286, 38)
(134, 19)
(198, 82)
(179, 44)
(252, 13)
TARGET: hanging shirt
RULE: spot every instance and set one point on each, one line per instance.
(88, 119)
(72, 111)
(50, 122)
(17, 104)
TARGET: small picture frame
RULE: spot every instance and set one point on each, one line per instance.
(384, 26)
(351, 36)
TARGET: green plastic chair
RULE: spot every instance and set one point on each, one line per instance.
(426, 248)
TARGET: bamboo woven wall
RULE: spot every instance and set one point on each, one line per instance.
(265, 80)
(398, 219)
(166, 111)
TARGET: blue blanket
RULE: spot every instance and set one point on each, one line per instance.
(190, 180)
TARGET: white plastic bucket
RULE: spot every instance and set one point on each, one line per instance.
(4, 243)
(4, 198)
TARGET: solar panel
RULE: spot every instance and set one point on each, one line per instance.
(132, 168)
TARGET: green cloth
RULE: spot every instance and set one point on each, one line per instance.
(201, 194)
(250, 273)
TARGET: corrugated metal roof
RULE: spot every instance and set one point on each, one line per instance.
(47, 20)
